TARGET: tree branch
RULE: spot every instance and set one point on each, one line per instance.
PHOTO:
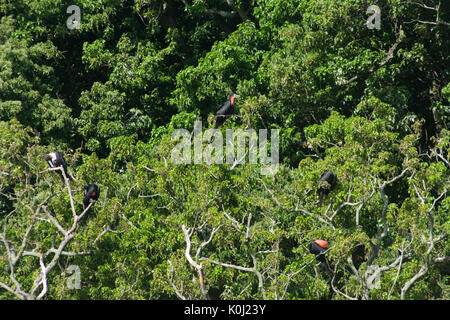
(389, 56)
(197, 266)
(172, 284)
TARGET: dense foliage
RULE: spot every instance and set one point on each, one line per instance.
(373, 105)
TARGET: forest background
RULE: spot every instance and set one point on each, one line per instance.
(371, 104)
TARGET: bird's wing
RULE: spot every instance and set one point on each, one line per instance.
(328, 176)
(224, 109)
(326, 173)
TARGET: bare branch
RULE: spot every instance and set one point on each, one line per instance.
(423, 270)
(436, 9)
(419, 4)
(227, 265)
(254, 269)
(385, 183)
(205, 243)
(398, 271)
(258, 274)
(383, 233)
(172, 284)
(336, 290)
(296, 209)
(54, 221)
(441, 259)
(389, 56)
(15, 292)
(397, 261)
(44, 279)
(236, 225)
(247, 234)
(440, 156)
(197, 266)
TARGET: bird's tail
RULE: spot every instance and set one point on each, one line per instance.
(84, 208)
(321, 198)
(62, 177)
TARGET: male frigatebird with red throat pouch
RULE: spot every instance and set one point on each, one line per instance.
(91, 194)
(318, 247)
(225, 111)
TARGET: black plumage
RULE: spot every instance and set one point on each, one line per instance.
(327, 182)
(56, 159)
(358, 255)
(91, 194)
(317, 250)
(225, 111)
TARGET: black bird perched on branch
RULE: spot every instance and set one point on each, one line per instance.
(55, 159)
(318, 248)
(225, 111)
(91, 194)
(327, 182)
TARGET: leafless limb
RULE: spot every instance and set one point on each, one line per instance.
(149, 196)
(240, 227)
(441, 259)
(303, 211)
(48, 259)
(125, 205)
(420, 191)
(293, 274)
(383, 233)
(236, 225)
(239, 161)
(241, 268)
(197, 266)
(227, 265)
(247, 233)
(402, 251)
(105, 231)
(378, 270)
(177, 292)
(424, 268)
(225, 14)
(205, 243)
(149, 169)
(44, 278)
(336, 290)
(436, 9)
(440, 156)
(358, 204)
(389, 56)
(354, 270)
(420, 5)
